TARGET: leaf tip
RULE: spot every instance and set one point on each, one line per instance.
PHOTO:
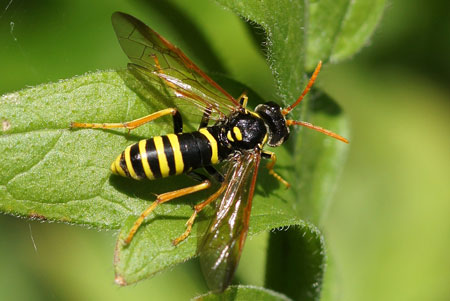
(119, 280)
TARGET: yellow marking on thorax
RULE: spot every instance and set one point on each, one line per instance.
(237, 133)
(254, 114)
(229, 137)
(178, 156)
(118, 169)
(213, 143)
(144, 160)
(128, 163)
(162, 159)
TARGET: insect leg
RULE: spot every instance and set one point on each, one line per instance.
(197, 209)
(205, 118)
(243, 99)
(177, 121)
(162, 198)
(271, 164)
(214, 173)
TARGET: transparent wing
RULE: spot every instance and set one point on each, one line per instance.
(152, 54)
(222, 245)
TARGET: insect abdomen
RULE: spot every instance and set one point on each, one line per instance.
(163, 156)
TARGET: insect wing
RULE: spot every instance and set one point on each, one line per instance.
(153, 54)
(222, 245)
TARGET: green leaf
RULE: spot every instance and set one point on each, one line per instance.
(50, 172)
(314, 155)
(299, 255)
(335, 30)
(283, 22)
(317, 157)
(358, 25)
(151, 250)
(331, 284)
(63, 174)
(54, 173)
(244, 293)
(340, 28)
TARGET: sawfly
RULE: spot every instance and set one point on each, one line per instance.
(229, 131)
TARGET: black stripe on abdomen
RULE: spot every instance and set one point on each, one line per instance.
(204, 148)
(136, 161)
(152, 158)
(123, 164)
(189, 151)
(168, 150)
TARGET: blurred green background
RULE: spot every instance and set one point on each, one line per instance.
(387, 229)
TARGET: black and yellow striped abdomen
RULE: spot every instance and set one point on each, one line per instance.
(172, 154)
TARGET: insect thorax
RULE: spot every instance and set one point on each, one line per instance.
(243, 130)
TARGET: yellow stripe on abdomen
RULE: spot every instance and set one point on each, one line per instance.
(144, 160)
(116, 168)
(178, 156)
(162, 159)
(128, 163)
(213, 144)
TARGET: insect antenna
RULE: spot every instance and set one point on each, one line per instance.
(308, 87)
(307, 124)
(317, 128)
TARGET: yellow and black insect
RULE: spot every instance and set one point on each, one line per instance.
(238, 135)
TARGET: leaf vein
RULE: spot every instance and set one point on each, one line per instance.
(37, 162)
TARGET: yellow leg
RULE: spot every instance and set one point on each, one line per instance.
(270, 166)
(197, 209)
(165, 197)
(128, 125)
